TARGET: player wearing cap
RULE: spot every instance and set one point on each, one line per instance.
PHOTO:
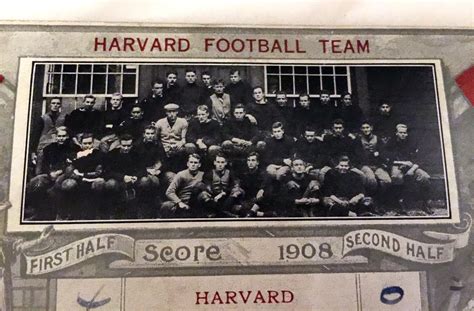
(172, 131)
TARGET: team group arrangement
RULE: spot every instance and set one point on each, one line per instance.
(219, 148)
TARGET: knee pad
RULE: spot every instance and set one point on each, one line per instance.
(98, 185)
(190, 148)
(68, 185)
(227, 145)
(144, 182)
(213, 150)
(112, 185)
(260, 146)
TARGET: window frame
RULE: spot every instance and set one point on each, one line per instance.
(307, 75)
(91, 73)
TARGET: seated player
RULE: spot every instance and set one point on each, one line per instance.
(204, 134)
(153, 104)
(44, 129)
(279, 148)
(349, 112)
(78, 191)
(54, 164)
(191, 94)
(306, 116)
(338, 143)
(219, 102)
(406, 168)
(343, 191)
(206, 80)
(301, 191)
(171, 131)
(263, 111)
(312, 151)
(252, 182)
(239, 132)
(172, 89)
(112, 118)
(135, 124)
(152, 154)
(286, 111)
(220, 188)
(372, 163)
(325, 111)
(385, 121)
(238, 89)
(126, 177)
(183, 190)
(85, 119)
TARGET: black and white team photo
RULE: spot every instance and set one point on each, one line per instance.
(150, 141)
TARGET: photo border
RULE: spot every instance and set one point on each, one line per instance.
(21, 137)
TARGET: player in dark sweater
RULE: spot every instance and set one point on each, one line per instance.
(239, 133)
(204, 134)
(153, 104)
(84, 119)
(263, 111)
(279, 148)
(220, 189)
(306, 116)
(301, 191)
(240, 91)
(350, 113)
(53, 165)
(191, 95)
(126, 176)
(135, 124)
(313, 152)
(112, 118)
(78, 191)
(343, 191)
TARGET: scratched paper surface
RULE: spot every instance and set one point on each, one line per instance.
(158, 168)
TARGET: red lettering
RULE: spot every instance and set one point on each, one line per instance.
(272, 295)
(156, 45)
(361, 48)
(199, 297)
(183, 45)
(245, 299)
(226, 46)
(287, 49)
(230, 296)
(263, 46)
(217, 297)
(251, 42)
(298, 50)
(102, 43)
(286, 299)
(170, 44)
(259, 297)
(114, 45)
(276, 46)
(324, 42)
(208, 43)
(128, 42)
(142, 45)
(242, 45)
(335, 46)
(349, 47)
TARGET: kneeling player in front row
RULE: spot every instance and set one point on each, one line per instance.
(183, 190)
(220, 189)
(343, 191)
(301, 191)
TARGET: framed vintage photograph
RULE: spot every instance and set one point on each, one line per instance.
(152, 167)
